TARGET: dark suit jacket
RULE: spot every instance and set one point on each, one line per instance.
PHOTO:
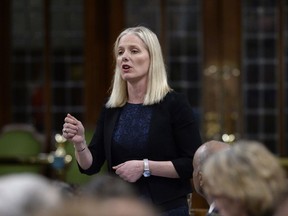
(173, 136)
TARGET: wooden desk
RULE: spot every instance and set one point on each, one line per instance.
(198, 212)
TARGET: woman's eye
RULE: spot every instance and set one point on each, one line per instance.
(134, 51)
(120, 52)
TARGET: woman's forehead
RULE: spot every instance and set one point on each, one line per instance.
(130, 39)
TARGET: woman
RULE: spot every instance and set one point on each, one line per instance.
(146, 132)
(246, 180)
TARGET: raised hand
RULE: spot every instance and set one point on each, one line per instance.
(73, 130)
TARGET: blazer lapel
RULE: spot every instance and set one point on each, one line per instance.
(111, 118)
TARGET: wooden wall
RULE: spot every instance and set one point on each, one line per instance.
(103, 22)
(5, 99)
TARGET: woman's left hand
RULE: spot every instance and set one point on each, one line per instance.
(130, 171)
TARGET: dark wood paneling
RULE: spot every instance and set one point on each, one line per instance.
(221, 56)
(5, 90)
(212, 56)
(47, 76)
(281, 78)
(103, 22)
(231, 63)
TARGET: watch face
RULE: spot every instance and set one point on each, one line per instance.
(146, 173)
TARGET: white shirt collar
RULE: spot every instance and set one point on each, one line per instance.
(211, 207)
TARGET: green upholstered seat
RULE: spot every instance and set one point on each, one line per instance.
(19, 144)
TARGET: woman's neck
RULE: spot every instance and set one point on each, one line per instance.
(136, 93)
(135, 99)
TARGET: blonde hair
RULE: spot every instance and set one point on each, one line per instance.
(157, 76)
(248, 173)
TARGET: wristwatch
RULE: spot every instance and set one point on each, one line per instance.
(146, 172)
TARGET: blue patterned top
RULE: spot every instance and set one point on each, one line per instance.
(131, 132)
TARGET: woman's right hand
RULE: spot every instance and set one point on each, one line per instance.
(73, 130)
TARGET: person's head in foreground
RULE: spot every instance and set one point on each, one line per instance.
(282, 205)
(23, 194)
(245, 180)
(202, 154)
(117, 206)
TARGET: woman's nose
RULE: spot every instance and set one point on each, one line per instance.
(124, 57)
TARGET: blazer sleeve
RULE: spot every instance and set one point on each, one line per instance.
(186, 134)
(96, 146)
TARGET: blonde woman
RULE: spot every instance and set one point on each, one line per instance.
(245, 180)
(146, 132)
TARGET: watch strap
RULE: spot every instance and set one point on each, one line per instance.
(146, 164)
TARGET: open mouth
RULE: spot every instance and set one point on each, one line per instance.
(125, 67)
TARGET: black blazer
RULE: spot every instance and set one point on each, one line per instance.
(174, 136)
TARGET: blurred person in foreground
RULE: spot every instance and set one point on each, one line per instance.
(282, 205)
(205, 151)
(246, 180)
(117, 206)
(146, 132)
(23, 194)
(107, 186)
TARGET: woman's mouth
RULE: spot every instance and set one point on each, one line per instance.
(125, 68)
